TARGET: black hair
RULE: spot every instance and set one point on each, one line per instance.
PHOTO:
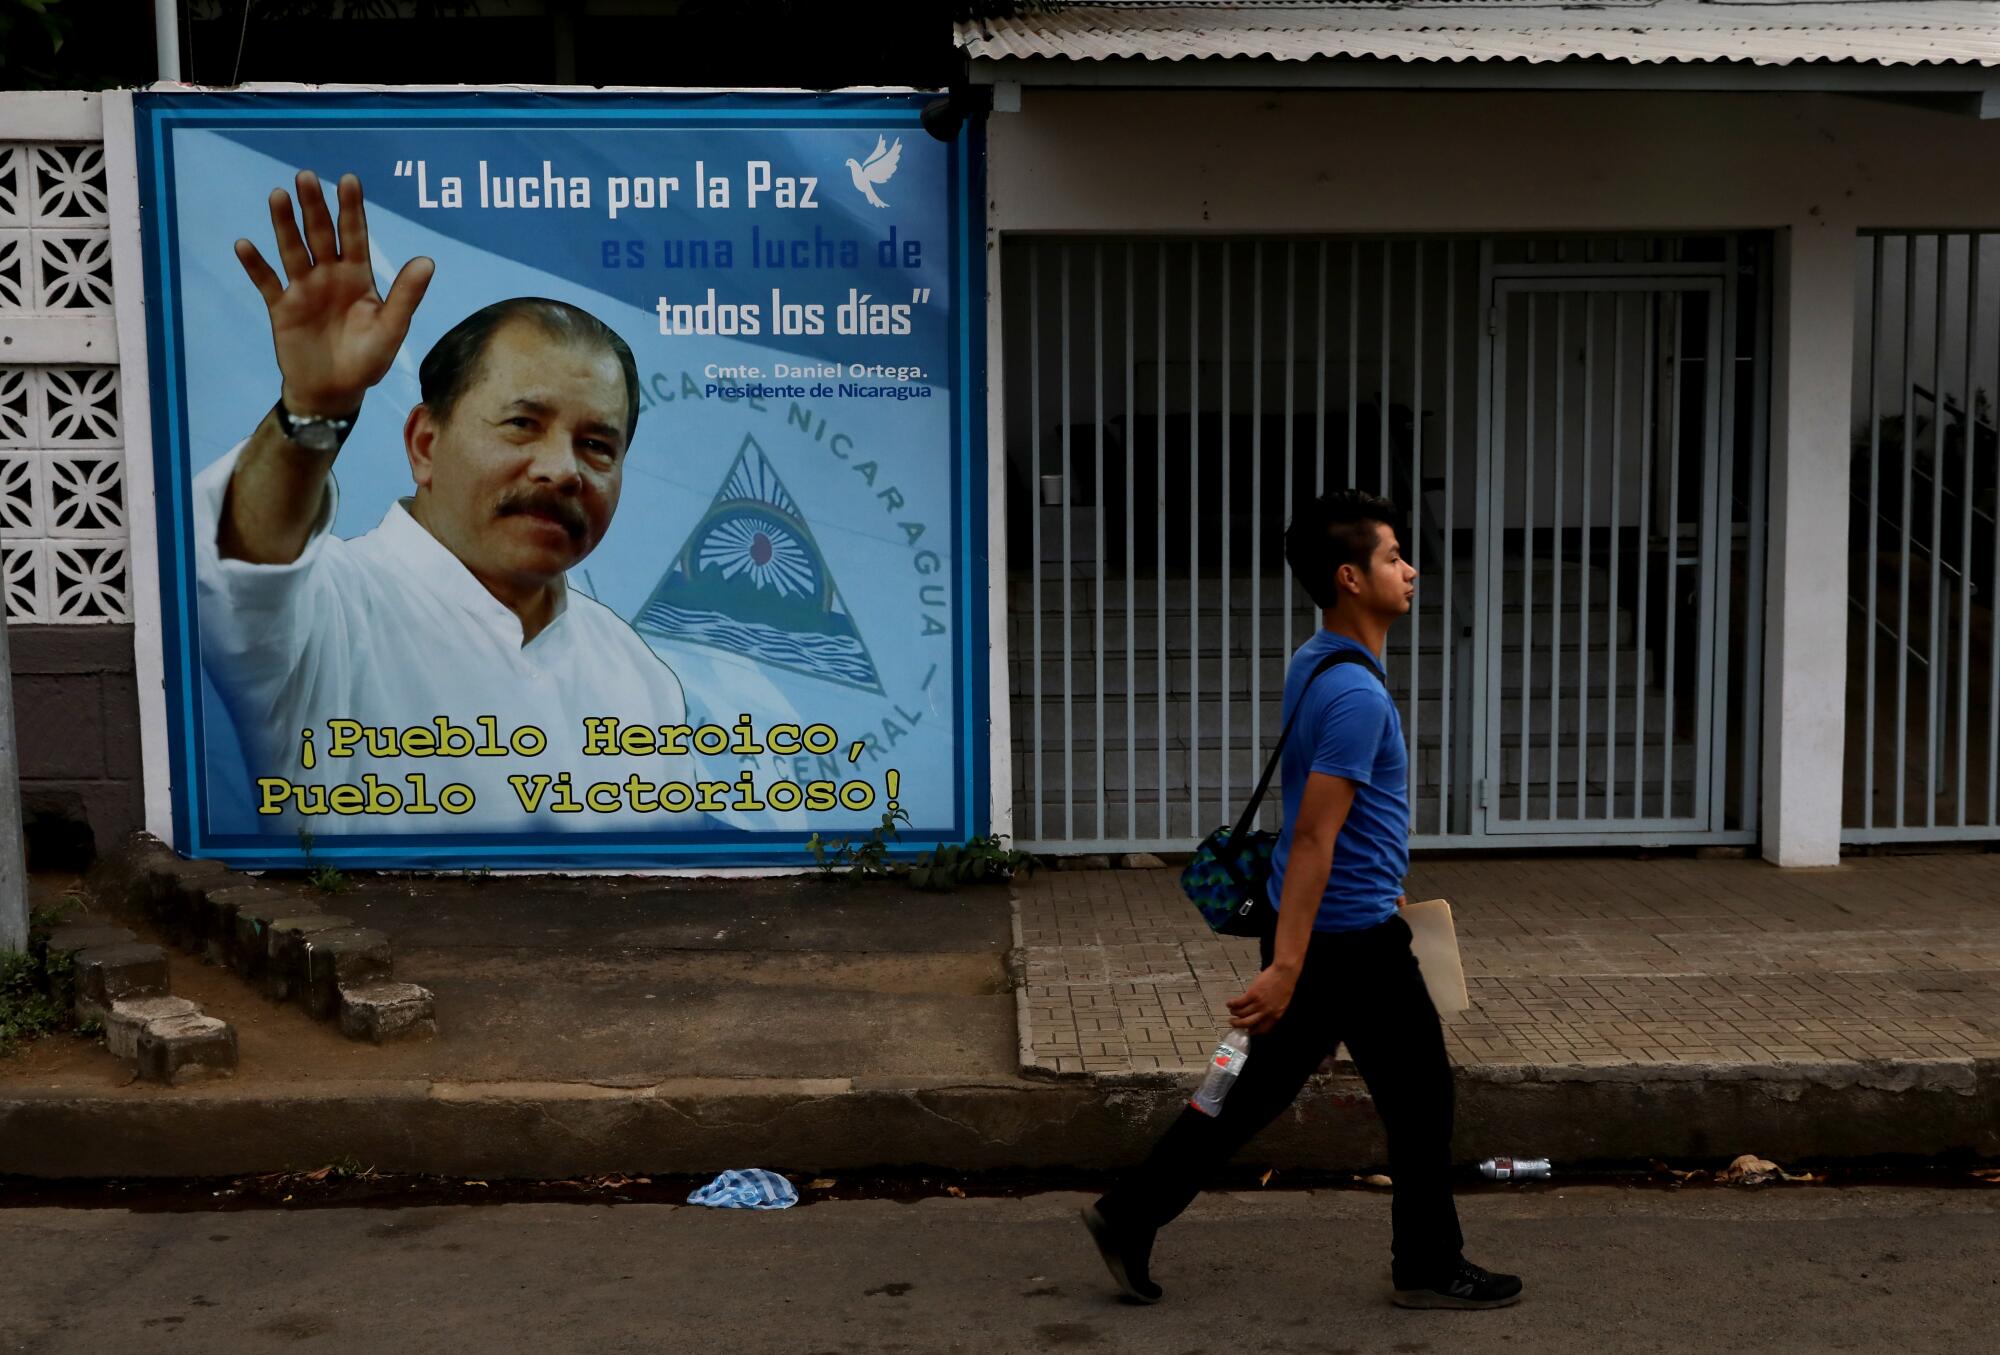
(453, 362)
(1338, 528)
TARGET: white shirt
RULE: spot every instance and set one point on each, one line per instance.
(390, 629)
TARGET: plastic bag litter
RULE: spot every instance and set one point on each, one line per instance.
(751, 1188)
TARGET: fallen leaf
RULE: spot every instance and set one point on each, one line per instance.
(1990, 1175)
(1749, 1170)
(1265, 1179)
(954, 1192)
(821, 1183)
(1378, 1180)
(475, 1183)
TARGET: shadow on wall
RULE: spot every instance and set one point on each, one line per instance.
(55, 831)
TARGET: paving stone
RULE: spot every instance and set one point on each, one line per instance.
(177, 1049)
(67, 940)
(203, 874)
(251, 952)
(151, 892)
(63, 943)
(343, 956)
(130, 1016)
(104, 974)
(285, 971)
(1600, 963)
(220, 908)
(195, 920)
(175, 901)
(387, 1011)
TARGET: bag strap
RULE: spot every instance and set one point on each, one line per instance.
(1333, 660)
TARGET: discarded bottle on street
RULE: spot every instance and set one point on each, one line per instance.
(1228, 1061)
(1515, 1169)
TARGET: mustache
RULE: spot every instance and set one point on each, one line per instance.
(544, 503)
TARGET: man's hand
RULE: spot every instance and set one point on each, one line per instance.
(335, 336)
(1264, 1001)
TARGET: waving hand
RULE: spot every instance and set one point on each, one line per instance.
(334, 335)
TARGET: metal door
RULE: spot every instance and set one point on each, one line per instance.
(1603, 482)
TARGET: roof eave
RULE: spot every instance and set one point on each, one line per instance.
(1265, 73)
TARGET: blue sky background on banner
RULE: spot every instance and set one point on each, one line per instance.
(864, 474)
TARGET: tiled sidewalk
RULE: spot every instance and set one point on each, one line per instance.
(1576, 962)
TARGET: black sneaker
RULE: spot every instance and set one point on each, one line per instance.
(1125, 1256)
(1466, 1286)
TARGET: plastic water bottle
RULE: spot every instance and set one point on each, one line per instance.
(1515, 1169)
(1223, 1067)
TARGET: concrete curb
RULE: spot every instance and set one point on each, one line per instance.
(1018, 957)
(550, 1130)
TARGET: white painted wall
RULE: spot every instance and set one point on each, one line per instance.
(1458, 162)
(1813, 167)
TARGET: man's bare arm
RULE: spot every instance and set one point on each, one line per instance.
(1323, 810)
(334, 337)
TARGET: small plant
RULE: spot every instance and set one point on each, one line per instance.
(26, 1008)
(43, 920)
(980, 860)
(861, 858)
(326, 879)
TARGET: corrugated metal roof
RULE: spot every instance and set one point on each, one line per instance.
(1885, 32)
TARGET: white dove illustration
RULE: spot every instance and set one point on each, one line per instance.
(879, 167)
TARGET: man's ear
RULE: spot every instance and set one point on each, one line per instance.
(1348, 579)
(420, 432)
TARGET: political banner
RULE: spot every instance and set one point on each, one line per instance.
(565, 480)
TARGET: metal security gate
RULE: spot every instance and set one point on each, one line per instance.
(1923, 679)
(1606, 456)
(1555, 417)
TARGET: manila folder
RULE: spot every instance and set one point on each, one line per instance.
(1436, 947)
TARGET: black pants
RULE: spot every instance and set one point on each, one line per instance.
(1362, 988)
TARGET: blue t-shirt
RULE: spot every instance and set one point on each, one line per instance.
(1348, 727)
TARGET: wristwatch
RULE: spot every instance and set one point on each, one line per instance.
(312, 432)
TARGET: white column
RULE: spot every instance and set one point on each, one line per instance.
(998, 679)
(1806, 622)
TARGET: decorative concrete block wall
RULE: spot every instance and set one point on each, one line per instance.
(64, 509)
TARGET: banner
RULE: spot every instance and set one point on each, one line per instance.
(565, 480)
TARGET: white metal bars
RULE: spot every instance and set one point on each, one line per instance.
(1645, 659)
(1173, 402)
(1923, 680)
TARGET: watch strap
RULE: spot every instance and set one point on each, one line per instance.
(291, 424)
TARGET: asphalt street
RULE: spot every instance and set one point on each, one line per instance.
(1608, 1268)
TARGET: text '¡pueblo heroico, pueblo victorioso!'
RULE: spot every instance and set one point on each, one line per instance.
(603, 736)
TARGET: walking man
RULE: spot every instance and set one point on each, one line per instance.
(1337, 959)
